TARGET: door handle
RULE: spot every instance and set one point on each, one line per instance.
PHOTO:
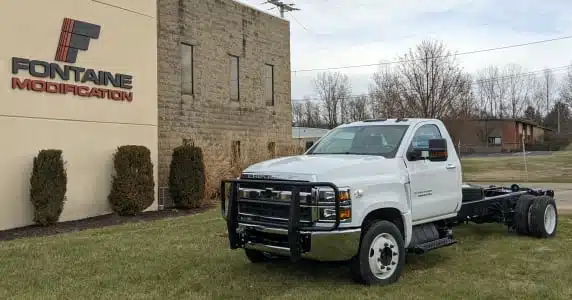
(450, 166)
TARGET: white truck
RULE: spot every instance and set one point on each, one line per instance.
(367, 193)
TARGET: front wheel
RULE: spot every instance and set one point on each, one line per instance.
(381, 256)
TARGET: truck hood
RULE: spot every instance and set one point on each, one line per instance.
(323, 167)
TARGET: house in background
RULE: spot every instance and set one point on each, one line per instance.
(302, 136)
(494, 135)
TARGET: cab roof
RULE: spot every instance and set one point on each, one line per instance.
(397, 121)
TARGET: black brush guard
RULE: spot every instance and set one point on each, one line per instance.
(294, 226)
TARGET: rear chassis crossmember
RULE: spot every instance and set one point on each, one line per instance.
(297, 243)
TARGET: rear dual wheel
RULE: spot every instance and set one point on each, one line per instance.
(543, 217)
(536, 216)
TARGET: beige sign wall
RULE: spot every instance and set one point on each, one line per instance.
(87, 120)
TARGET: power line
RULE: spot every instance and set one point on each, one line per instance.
(456, 54)
(476, 81)
(296, 20)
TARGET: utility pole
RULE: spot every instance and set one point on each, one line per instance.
(282, 6)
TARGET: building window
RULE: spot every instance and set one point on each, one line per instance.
(187, 86)
(234, 82)
(269, 84)
(235, 157)
(494, 141)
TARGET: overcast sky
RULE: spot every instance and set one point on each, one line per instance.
(335, 33)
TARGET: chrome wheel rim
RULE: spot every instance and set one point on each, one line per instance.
(550, 219)
(383, 256)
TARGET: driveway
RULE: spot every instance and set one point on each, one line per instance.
(562, 191)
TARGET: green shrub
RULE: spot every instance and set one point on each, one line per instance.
(133, 184)
(48, 186)
(187, 176)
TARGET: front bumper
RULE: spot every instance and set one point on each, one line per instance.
(338, 245)
(290, 232)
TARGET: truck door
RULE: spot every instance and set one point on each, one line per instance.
(434, 184)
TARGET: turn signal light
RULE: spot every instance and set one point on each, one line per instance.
(344, 195)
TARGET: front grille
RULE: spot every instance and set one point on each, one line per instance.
(260, 204)
(263, 211)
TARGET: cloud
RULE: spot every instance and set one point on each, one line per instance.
(343, 33)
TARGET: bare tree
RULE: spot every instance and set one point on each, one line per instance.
(518, 90)
(566, 87)
(357, 108)
(312, 114)
(548, 84)
(464, 107)
(333, 89)
(537, 99)
(492, 90)
(297, 112)
(430, 79)
(384, 94)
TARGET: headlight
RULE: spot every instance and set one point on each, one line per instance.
(326, 204)
(244, 193)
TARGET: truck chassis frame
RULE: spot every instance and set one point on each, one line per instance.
(510, 206)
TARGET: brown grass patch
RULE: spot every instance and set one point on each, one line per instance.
(555, 168)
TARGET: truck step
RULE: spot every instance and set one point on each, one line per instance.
(425, 247)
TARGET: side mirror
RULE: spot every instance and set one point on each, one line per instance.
(309, 145)
(438, 150)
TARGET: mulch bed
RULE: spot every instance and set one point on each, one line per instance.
(95, 222)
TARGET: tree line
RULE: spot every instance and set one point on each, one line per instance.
(428, 82)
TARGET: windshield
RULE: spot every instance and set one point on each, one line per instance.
(381, 140)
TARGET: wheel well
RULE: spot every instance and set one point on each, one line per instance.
(388, 214)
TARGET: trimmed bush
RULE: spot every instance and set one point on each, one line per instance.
(132, 185)
(48, 186)
(187, 176)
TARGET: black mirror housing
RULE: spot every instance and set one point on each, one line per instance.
(438, 150)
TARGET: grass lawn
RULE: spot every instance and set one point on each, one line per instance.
(556, 168)
(188, 258)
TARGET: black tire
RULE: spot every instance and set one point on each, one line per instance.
(536, 216)
(521, 214)
(256, 256)
(360, 266)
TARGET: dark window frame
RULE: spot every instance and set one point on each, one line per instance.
(184, 90)
(232, 57)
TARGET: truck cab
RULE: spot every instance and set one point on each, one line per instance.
(367, 192)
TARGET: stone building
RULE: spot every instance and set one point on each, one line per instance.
(223, 82)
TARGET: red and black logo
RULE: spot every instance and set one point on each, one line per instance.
(75, 36)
